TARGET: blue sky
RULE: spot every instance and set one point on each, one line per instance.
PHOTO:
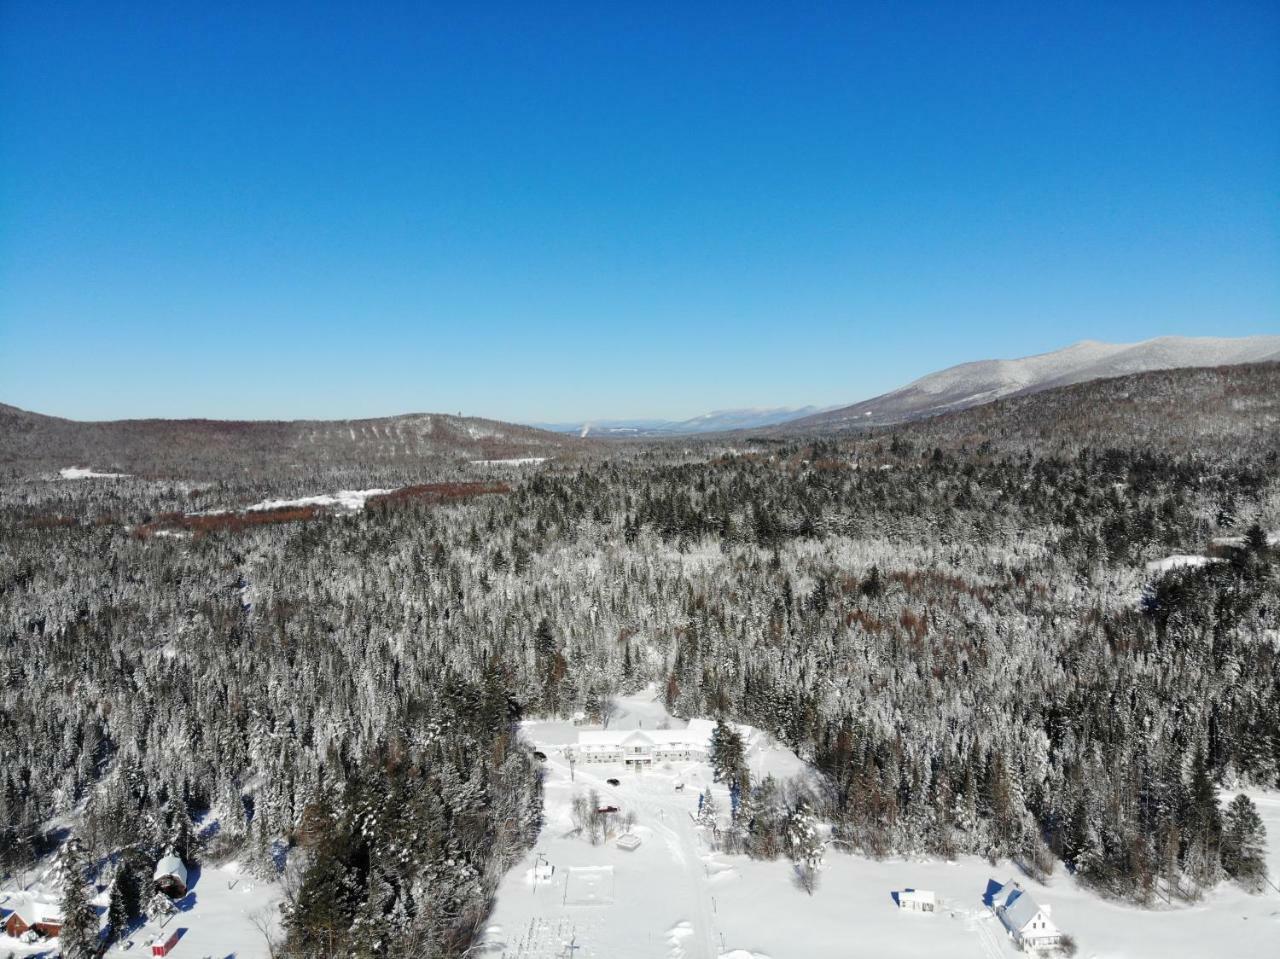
(547, 212)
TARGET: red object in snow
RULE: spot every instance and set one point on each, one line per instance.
(159, 948)
(604, 809)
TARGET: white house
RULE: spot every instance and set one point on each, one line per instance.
(1028, 923)
(644, 747)
(917, 900)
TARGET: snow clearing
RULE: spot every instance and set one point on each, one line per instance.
(224, 913)
(671, 895)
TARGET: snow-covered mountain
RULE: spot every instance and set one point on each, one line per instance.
(971, 384)
(713, 422)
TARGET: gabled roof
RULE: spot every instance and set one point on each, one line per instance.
(1000, 898)
(32, 909)
(1020, 910)
(697, 735)
(171, 865)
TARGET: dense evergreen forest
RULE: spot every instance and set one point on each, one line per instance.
(963, 636)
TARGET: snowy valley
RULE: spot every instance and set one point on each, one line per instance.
(475, 702)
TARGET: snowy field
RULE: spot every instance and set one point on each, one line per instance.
(673, 898)
(219, 918)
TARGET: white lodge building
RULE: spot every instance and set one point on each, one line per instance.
(1029, 924)
(644, 747)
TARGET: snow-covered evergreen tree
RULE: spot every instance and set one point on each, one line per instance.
(805, 846)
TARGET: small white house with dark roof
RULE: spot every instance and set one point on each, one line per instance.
(170, 876)
(917, 900)
(1028, 923)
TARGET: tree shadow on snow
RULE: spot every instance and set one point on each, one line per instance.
(798, 880)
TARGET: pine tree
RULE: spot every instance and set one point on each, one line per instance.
(322, 915)
(728, 753)
(764, 827)
(806, 846)
(124, 899)
(160, 907)
(708, 810)
(79, 936)
(182, 833)
(1244, 841)
(1203, 827)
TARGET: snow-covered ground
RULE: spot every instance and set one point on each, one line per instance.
(350, 499)
(220, 917)
(1195, 559)
(84, 472)
(672, 897)
(522, 461)
(1177, 560)
(1273, 539)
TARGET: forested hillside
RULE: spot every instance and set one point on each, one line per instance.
(953, 621)
(211, 449)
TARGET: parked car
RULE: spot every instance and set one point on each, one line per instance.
(613, 782)
(604, 809)
(539, 755)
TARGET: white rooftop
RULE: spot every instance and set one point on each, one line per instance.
(697, 734)
(171, 865)
(32, 909)
(918, 895)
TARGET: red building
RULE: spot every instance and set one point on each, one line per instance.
(161, 947)
(31, 914)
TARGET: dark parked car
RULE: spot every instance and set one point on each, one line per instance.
(604, 809)
(613, 782)
(539, 755)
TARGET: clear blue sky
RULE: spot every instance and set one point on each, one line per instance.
(545, 212)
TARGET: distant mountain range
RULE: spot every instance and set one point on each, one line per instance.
(972, 384)
(194, 448)
(956, 388)
(714, 422)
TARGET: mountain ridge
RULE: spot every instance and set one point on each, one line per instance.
(198, 446)
(976, 382)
